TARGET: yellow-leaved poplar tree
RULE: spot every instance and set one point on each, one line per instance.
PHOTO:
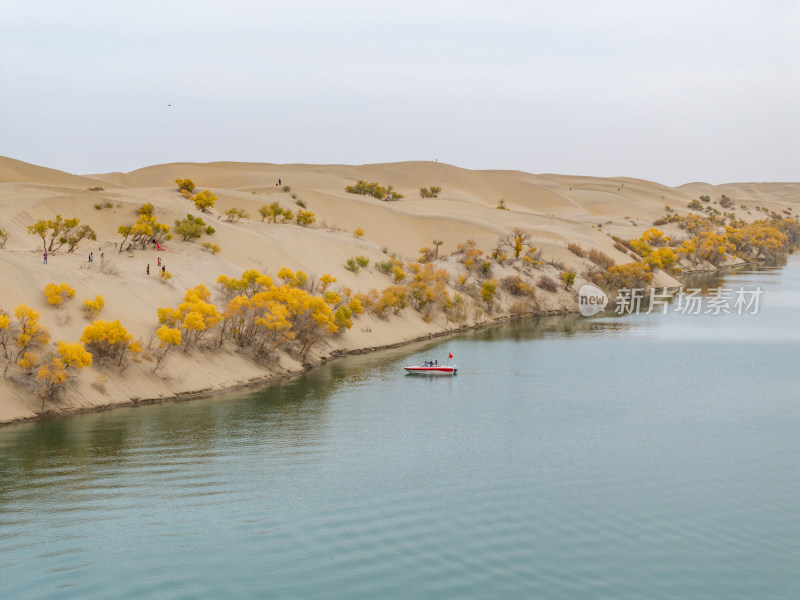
(394, 298)
(145, 229)
(91, 308)
(51, 378)
(5, 333)
(185, 185)
(73, 354)
(168, 338)
(250, 283)
(204, 200)
(264, 315)
(57, 293)
(52, 374)
(30, 333)
(109, 341)
(194, 316)
(305, 217)
(291, 278)
(28, 362)
(488, 291)
(326, 281)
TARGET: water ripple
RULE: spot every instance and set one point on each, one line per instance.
(608, 464)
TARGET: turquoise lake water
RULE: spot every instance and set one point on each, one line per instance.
(648, 456)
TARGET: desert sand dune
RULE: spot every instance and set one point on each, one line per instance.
(16, 171)
(554, 209)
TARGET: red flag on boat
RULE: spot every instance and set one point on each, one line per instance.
(449, 355)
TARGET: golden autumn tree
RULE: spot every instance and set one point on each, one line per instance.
(663, 258)
(259, 322)
(195, 316)
(630, 275)
(714, 247)
(144, 229)
(51, 378)
(326, 281)
(91, 308)
(109, 341)
(271, 212)
(52, 374)
(204, 200)
(688, 249)
(57, 232)
(488, 292)
(470, 255)
(168, 338)
(655, 237)
(185, 184)
(332, 298)
(790, 227)
(650, 239)
(759, 240)
(291, 278)
(428, 286)
(28, 362)
(517, 240)
(73, 354)
(250, 283)
(30, 333)
(310, 316)
(57, 293)
(344, 312)
(275, 315)
(398, 274)
(5, 333)
(394, 298)
(343, 317)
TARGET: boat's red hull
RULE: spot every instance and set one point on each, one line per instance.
(437, 370)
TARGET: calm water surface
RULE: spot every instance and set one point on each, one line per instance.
(648, 456)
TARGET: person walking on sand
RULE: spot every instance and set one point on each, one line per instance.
(45, 257)
(148, 268)
(159, 261)
(91, 256)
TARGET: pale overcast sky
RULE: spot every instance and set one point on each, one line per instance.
(669, 91)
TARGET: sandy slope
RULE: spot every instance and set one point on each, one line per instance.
(555, 209)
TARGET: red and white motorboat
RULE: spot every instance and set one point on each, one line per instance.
(431, 370)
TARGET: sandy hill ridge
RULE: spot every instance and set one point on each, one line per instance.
(555, 209)
(17, 171)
